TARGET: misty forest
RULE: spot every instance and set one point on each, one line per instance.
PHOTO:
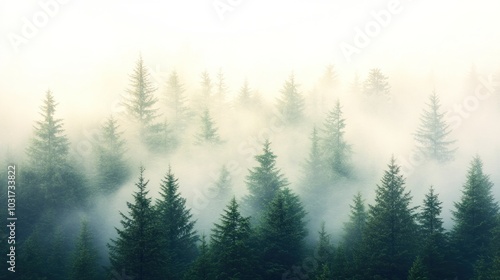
(187, 181)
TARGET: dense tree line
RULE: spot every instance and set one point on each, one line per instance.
(263, 234)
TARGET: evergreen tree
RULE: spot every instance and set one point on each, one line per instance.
(160, 138)
(84, 265)
(57, 262)
(434, 247)
(140, 102)
(244, 98)
(432, 134)
(264, 181)
(475, 218)
(176, 102)
(355, 227)
(178, 237)
(356, 85)
(112, 169)
(208, 132)
(30, 260)
(51, 175)
(291, 103)
(418, 271)
(282, 234)
(205, 100)
(376, 83)
(137, 246)
(202, 267)
(336, 151)
(221, 91)
(231, 246)
(325, 273)
(222, 188)
(324, 253)
(390, 236)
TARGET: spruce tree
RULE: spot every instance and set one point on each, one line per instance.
(208, 131)
(204, 101)
(244, 98)
(84, 265)
(136, 249)
(112, 169)
(30, 260)
(432, 136)
(390, 236)
(324, 251)
(176, 102)
(51, 174)
(418, 271)
(475, 218)
(221, 90)
(222, 188)
(355, 227)
(140, 102)
(178, 237)
(335, 149)
(202, 268)
(264, 182)
(232, 246)
(376, 83)
(291, 103)
(434, 247)
(282, 234)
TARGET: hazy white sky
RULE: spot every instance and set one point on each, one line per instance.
(85, 49)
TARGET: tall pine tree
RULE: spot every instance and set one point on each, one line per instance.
(178, 237)
(282, 234)
(112, 169)
(264, 181)
(475, 217)
(208, 132)
(137, 247)
(432, 135)
(175, 100)
(376, 83)
(84, 265)
(390, 238)
(232, 246)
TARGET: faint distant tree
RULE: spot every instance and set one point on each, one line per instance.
(335, 149)
(222, 188)
(140, 102)
(112, 169)
(376, 83)
(244, 98)
(205, 98)
(432, 135)
(356, 85)
(176, 102)
(291, 103)
(221, 88)
(208, 131)
(141, 107)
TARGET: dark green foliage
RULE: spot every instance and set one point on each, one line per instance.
(432, 134)
(376, 83)
(202, 268)
(30, 261)
(475, 217)
(208, 131)
(418, 271)
(112, 169)
(336, 151)
(264, 181)
(434, 249)
(231, 246)
(390, 238)
(282, 234)
(354, 234)
(84, 265)
(137, 246)
(324, 274)
(291, 103)
(324, 253)
(177, 235)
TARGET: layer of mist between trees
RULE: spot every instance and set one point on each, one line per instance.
(315, 149)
